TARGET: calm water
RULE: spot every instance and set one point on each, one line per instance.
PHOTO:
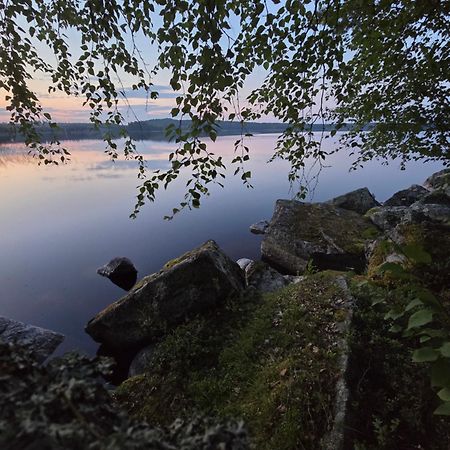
(58, 224)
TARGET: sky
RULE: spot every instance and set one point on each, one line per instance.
(137, 107)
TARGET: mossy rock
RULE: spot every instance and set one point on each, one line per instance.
(262, 359)
(195, 283)
(332, 237)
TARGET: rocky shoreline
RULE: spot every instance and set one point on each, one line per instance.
(303, 243)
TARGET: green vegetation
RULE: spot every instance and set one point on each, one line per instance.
(400, 340)
(322, 61)
(260, 359)
(65, 405)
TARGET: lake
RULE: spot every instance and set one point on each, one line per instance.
(60, 223)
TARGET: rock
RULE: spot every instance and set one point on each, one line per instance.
(439, 180)
(437, 197)
(192, 284)
(387, 217)
(120, 271)
(40, 341)
(433, 212)
(330, 237)
(334, 439)
(264, 278)
(360, 201)
(142, 361)
(244, 262)
(406, 197)
(259, 227)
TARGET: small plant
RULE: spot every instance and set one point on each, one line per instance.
(422, 315)
(310, 268)
(65, 405)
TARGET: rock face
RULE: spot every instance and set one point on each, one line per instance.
(263, 278)
(332, 237)
(387, 218)
(191, 284)
(439, 180)
(120, 271)
(407, 197)
(359, 201)
(40, 341)
(259, 227)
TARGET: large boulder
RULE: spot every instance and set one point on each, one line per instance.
(194, 283)
(388, 217)
(328, 236)
(407, 197)
(360, 201)
(41, 342)
(439, 180)
(120, 271)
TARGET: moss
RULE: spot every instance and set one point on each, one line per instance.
(381, 250)
(260, 359)
(391, 400)
(371, 232)
(372, 211)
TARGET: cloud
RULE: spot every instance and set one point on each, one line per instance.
(163, 92)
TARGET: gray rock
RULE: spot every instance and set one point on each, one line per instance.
(264, 278)
(406, 197)
(192, 284)
(438, 197)
(332, 237)
(142, 361)
(334, 439)
(120, 271)
(360, 201)
(244, 262)
(259, 227)
(439, 180)
(433, 212)
(40, 341)
(387, 217)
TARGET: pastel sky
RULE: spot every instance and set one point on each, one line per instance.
(137, 107)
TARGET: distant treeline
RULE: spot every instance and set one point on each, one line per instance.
(149, 129)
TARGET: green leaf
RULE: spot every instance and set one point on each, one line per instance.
(412, 304)
(425, 354)
(444, 394)
(443, 409)
(420, 318)
(417, 254)
(445, 350)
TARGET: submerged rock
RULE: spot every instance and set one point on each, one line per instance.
(407, 197)
(360, 201)
(40, 341)
(259, 227)
(120, 271)
(330, 237)
(194, 283)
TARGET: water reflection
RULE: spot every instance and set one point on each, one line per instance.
(60, 223)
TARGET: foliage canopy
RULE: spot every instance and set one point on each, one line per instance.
(381, 65)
